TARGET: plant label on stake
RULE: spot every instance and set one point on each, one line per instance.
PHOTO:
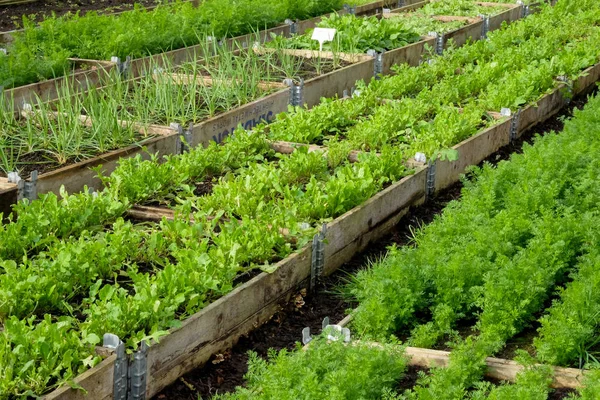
(323, 35)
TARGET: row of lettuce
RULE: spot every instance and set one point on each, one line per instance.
(73, 269)
(494, 257)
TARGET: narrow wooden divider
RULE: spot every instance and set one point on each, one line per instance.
(187, 79)
(497, 368)
(310, 54)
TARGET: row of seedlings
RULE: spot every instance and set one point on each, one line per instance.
(252, 216)
(309, 75)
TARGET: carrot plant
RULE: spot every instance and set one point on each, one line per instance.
(325, 370)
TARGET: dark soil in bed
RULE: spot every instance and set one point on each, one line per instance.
(225, 372)
(11, 16)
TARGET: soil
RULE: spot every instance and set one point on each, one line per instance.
(11, 16)
(226, 371)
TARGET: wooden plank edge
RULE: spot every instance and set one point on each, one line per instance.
(98, 382)
(497, 368)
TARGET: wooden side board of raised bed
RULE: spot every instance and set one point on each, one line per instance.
(249, 115)
(411, 54)
(461, 36)
(334, 83)
(551, 104)
(512, 13)
(346, 235)
(471, 152)
(51, 89)
(97, 382)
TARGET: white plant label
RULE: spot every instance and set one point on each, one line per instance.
(323, 35)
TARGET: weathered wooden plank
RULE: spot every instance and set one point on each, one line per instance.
(545, 108)
(452, 18)
(98, 382)
(185, 348)
(188, 79)
(410, 54)
(310, 54)
(471, 152)
(587, 80)
(461, 36)
(334, 83)
(411, 6)
(5, 184)
(491, 4)
(497, 368)
(52, 88)
(248, 116)
(513, 13)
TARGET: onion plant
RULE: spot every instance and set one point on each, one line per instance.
(49, 135)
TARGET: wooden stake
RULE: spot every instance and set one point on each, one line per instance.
(497, 368)
(86, 120)
(5, 184)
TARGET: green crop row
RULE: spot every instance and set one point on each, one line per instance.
(42, 51)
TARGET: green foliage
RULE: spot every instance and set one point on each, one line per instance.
(551, 215)
(325, 370)
(38, 355)
(533, 383)
(354, 35)
(42, 52)
(591, 386)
